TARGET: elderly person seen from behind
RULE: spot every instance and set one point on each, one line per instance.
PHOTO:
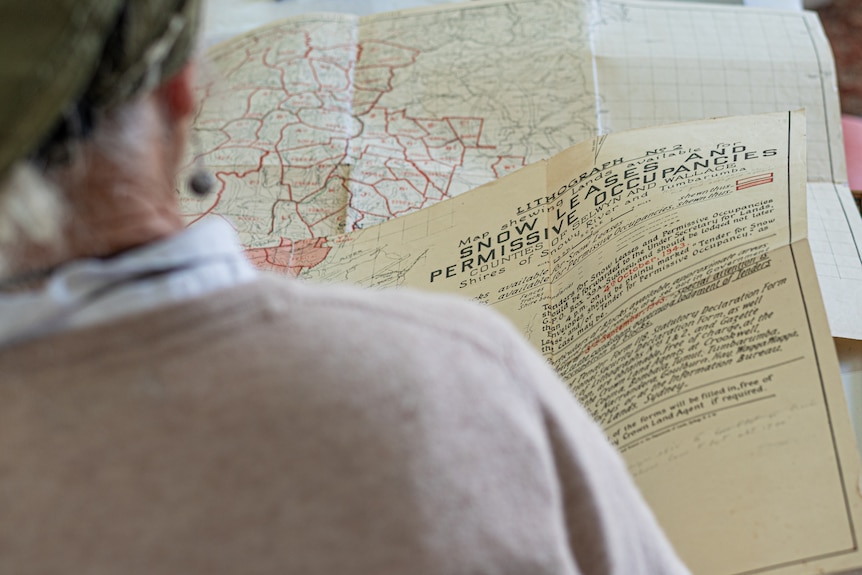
(164, 408)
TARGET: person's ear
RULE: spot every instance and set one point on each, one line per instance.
(178, 94)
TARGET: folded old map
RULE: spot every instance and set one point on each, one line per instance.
(325, 123)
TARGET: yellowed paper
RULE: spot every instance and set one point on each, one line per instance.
(325, 123)
(666, 274)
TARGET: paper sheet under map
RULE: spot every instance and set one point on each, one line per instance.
(325, 123)
(684, 316)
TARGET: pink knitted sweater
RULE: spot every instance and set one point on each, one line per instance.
(282, 428)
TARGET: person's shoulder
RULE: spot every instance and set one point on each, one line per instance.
(400, 305)
(395, 311)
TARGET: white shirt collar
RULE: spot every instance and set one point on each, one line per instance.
(200, 260)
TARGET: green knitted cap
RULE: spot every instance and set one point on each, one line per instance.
(54, 52)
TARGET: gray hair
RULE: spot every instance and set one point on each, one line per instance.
(31, 212)
(34, 209)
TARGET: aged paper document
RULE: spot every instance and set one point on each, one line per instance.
(325, 123)
(687, 61)
(667, 276)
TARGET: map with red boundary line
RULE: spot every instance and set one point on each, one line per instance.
(291, 257)
(322, 124)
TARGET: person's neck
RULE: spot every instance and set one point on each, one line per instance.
(113, 203)
(34, 264)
